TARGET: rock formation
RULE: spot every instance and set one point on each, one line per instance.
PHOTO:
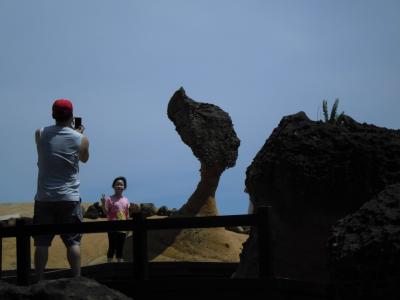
(80, 288)
(312, 174)
(209, 132)
(148, 209)
(133, 208)
(11, 220)
(364, 249)
(94, 211)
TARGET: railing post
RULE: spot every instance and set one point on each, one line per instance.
(1, 253)
(264, 232)
(23, 254)
(139, 239)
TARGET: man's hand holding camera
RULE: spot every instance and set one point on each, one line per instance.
(78, 125)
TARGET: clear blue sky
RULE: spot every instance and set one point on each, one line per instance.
(121, 61)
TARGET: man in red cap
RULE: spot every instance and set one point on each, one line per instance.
(57, 200)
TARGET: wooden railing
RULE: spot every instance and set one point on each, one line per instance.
(140, 225)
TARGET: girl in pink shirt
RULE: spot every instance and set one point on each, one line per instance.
(116, 207)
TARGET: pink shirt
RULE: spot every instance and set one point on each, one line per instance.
(117, 209)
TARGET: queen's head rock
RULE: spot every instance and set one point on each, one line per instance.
(208, 131)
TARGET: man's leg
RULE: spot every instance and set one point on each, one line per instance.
(72, 213)
(74, 259)
(43, 214)
(41, 255)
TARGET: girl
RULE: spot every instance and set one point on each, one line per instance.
(116, 207)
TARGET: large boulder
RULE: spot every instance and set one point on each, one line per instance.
(133, 208)
(11, 220)
(312, 174)
(164, 211)
(364, 249)
(80, 288)
(12, 292)
(91, 212)
(94, 211)
(208, 131)
(148, 209)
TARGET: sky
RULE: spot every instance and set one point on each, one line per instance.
(120, 62)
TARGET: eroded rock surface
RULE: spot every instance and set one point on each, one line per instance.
(208, 131)
(364, 249)
(312, 174)
(80, 288)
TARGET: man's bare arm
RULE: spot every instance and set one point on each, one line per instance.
(84, 150)
(37, 139)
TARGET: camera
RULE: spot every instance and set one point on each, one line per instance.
(77, 122)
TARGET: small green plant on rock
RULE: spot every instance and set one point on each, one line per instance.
(333, 118)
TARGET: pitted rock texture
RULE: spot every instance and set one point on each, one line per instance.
(364, 249)
(323, 165)
(206, 129)
(312, 174)
(80, 288)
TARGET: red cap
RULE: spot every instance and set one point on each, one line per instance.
(62, 108)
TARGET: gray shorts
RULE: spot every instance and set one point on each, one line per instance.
(55, 213)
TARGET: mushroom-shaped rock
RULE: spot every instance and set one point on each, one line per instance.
(208, 131)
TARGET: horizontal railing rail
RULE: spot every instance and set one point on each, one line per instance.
(129, 225)
(140, 225)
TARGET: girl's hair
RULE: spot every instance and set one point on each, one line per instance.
(120, 178)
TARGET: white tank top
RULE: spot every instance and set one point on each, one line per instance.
(58, 163)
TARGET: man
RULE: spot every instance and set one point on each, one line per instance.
(57, 200)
